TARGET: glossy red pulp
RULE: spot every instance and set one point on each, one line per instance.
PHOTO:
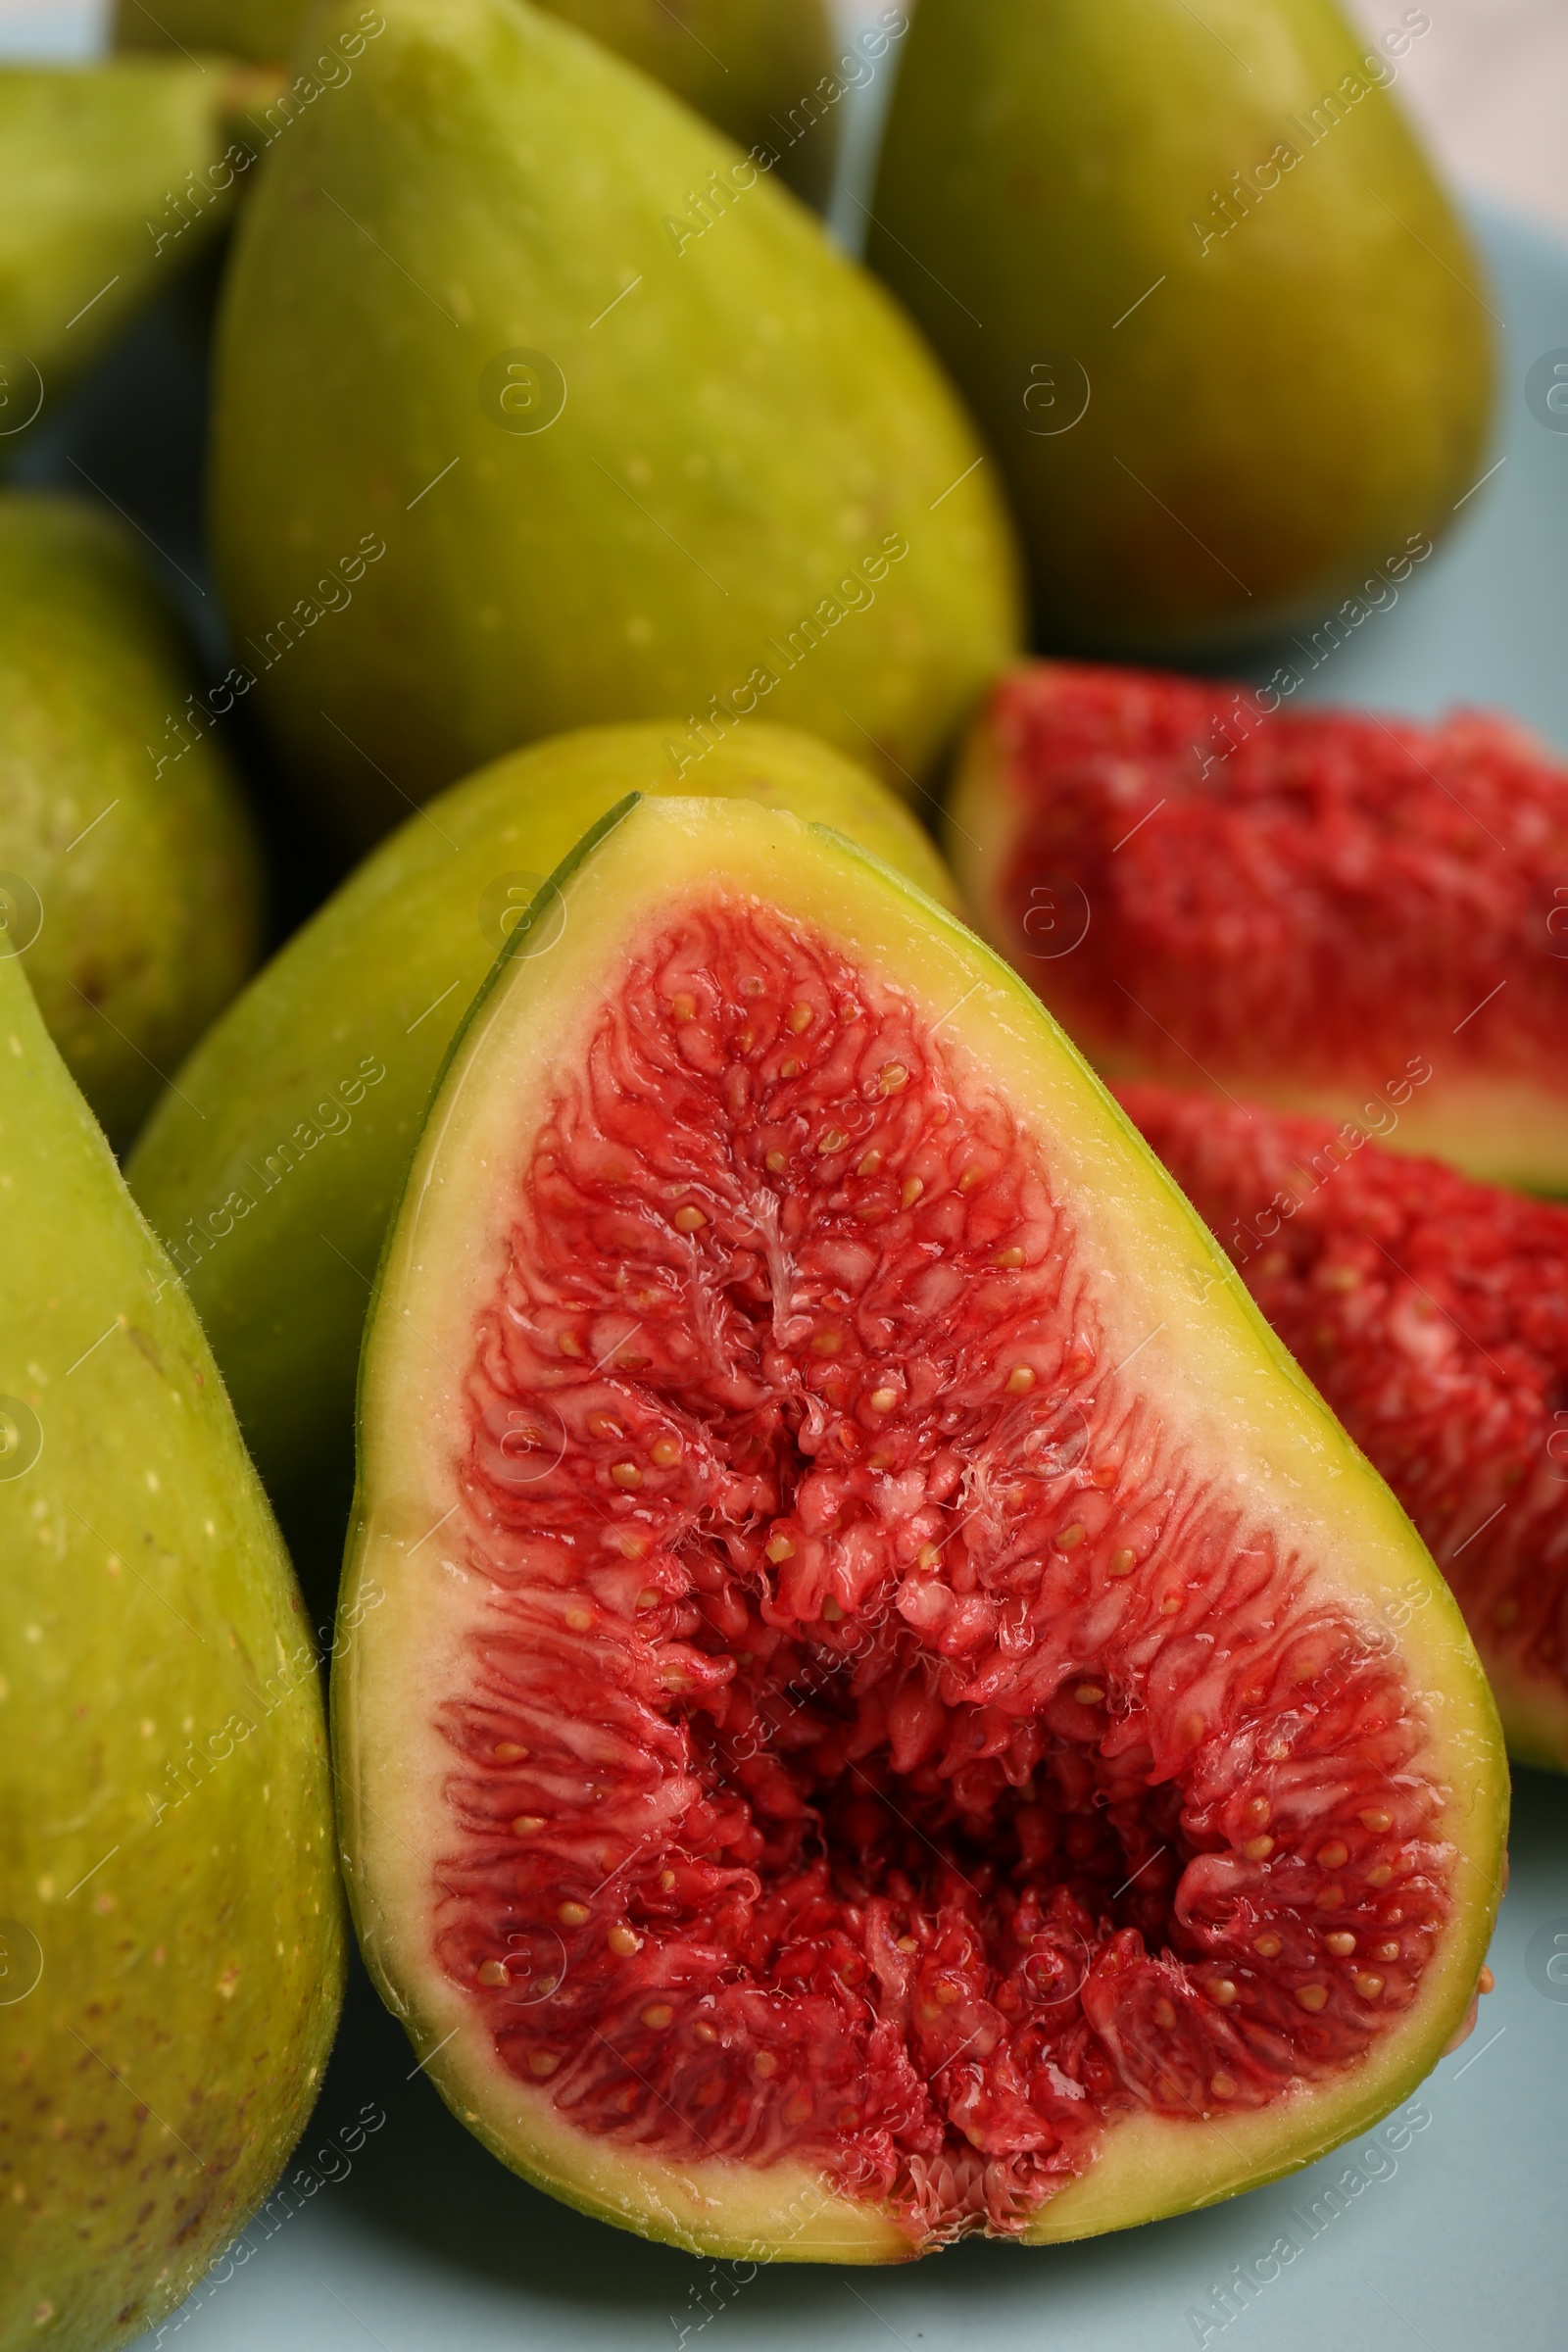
(1198, 885)
(1433, 1313)
(882, 1745)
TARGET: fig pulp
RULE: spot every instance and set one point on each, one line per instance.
(270, 1167)
(886, 1721)
(1361, 917)
(170, 1928)
(1432, 1314)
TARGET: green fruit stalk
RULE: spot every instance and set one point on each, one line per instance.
(112, 177)
(1228, 340)
(761, 69)
(129, 876)
(271, 1166)
(171, 1934)
(538, 404)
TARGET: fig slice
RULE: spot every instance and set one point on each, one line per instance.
(889, 1718)
(1432, 1314)
(1325, 910)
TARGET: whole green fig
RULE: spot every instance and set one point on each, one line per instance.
(538, 404)
(1228, 340)
(129, 876)
(112, 177)
(170, 1928)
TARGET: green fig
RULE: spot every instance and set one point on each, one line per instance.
(538, 404)
(264, 29)
(1229, 342)
(112, 177)
(130, 875)
(761, 69)
(170, 1936)
(271, 1166)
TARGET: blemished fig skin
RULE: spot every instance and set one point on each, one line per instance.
(113, 177)
(1360, 917)
(1432, 1314)
(131, 877)
(572, 441)
(270, 1167)
(760, 69)
(1221, 325)
(170, 1922)
(888, 1721)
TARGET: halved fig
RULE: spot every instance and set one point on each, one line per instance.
(1313, 909)
(895, 1710)
(1432, 1314)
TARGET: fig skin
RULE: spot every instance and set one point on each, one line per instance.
(1270, 414)
(279, 1259)
(134, 895)
(167, 1877)
(649, 452)
(91, 159)
(749, 68)
(747, 64)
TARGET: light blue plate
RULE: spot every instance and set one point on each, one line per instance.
(1448, 2230)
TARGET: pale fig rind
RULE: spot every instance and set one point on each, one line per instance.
(1237, 1395)
(657, 447)
(131, 877)
(172, 1932)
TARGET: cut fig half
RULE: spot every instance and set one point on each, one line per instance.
(1357, 917)
(882, 1706)
(1432, 1314)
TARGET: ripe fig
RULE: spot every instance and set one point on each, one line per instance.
(887, 1722)
(112, 177)
(171, 1940)
(761, 69)
(129, 876)
(1432, 1314)
(539, 405)
(1322, 910)
(1226, 336)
